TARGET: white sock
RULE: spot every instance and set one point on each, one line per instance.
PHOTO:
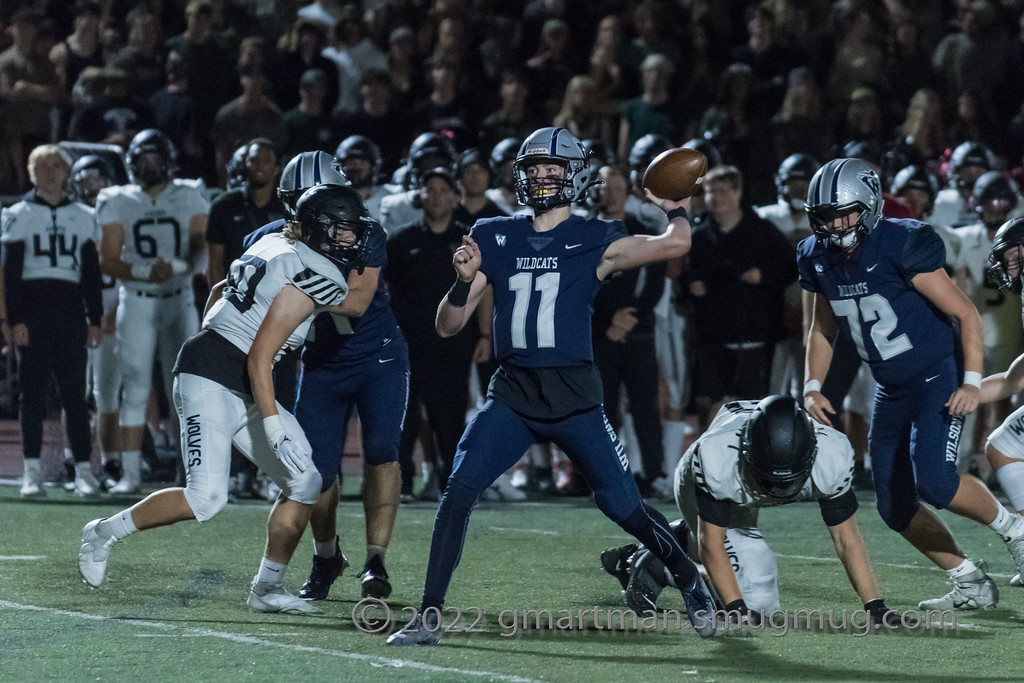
(271, 572)
(1003, 521)
(32, 465)
(117, 526)
(1011, 478)
(327, 548)
(673, 435)
(965, 567)
(372, 550)
(131, 463)
(83, 469)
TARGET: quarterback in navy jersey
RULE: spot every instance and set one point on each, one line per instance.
(357, 362)
(883, 281)
(544, 272)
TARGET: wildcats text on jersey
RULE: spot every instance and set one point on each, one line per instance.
(535, 263)
(853, 290)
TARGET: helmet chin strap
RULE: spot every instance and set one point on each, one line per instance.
(846, 241)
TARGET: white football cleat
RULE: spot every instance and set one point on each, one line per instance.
(976, 590)
(86, 485)
(130, 484)
(503, 490)
(274, 598)
(32, 483)
(1015, 546)
(1015, 581)
(92, 556)
(419, 631)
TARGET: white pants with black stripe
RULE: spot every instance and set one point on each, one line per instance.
(213, 418)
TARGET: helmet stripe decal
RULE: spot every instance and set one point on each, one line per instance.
(836, 172)
(316, 170)
(298, 174)
(554, 140)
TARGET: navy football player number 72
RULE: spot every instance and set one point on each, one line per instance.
(873, 308)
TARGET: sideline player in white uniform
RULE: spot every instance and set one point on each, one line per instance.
(52, 297)
(90, 174)
(1005, 447)
(153, 232)
(224, 390)
(758, 454)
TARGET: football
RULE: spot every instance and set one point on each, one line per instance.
(676, 173)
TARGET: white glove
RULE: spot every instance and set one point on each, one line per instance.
(285, 447)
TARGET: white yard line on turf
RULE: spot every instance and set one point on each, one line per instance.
(373, 660)
(883, 564)
(22, 557)
(543, 532)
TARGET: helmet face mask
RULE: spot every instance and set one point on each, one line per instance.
(336, 224)
(1006, 258)
(535, 186)
(778, 447)
(88, 176)
(150, 156)
(839, 189)
(793, 178)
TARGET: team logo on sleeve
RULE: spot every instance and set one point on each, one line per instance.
(500, 239)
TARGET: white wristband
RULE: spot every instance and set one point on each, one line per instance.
(811, 385)
(273, 427)
(141, 271)
(972, 378)
(178, 266)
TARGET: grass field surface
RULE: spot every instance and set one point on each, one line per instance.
(172, 606)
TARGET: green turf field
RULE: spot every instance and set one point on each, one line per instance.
(172, 606)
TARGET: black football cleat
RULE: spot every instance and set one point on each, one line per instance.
(375, 579)
(646, 581)
(323, 574)
(615, 561)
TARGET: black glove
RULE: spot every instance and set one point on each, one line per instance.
(746, 616)
(880, 614)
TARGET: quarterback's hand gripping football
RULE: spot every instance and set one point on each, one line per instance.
(666, 205)
(286, 448)
(467, 259)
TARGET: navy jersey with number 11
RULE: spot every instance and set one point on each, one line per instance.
(544, 286)
(899, 332)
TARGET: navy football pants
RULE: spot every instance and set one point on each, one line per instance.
(496, 439)
(914, 442)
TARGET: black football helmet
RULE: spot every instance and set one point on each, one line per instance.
(1009, 235)
(429, 150)
(503, 155)
(778, 447)
(236, 173)
(149, 141)
(707, 148)
(916, 177)
(90, 174)
(360, 147)
(325, 213)
(642, 154)
(969, 155)
(993, 190)
(794, 167)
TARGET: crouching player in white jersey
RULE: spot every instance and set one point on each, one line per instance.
(1005, 447)
(224, 392)
(754, 455)
(153, 232)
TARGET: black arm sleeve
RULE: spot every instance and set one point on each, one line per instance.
(14, 261)
(92, 283)
(712, 510)
(837, 510)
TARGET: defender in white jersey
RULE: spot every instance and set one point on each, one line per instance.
(224, 390)
(759, 454)
(153, 233)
